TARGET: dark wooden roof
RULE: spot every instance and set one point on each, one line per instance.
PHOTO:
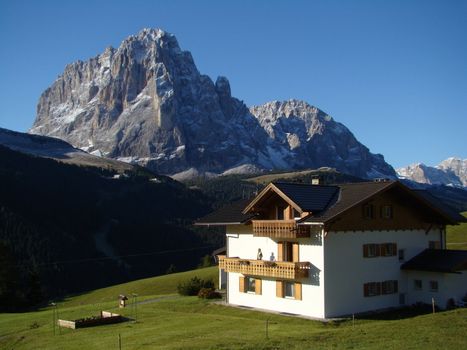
(308, 197)
(349, 196)
(229, 214)
(438, 260)
(326, 203)
(440, 205)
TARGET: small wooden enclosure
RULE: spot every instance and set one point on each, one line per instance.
(105, 317)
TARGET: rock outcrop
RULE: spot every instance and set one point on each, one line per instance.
(146, 103)
(450, 172)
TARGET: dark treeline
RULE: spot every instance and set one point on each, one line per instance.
(60, 223)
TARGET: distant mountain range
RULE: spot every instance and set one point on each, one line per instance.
(146, 103)
(450, 172)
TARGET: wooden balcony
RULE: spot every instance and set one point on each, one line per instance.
(264, 268)
(279, 229)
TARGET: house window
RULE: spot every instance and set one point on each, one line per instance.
(280, 213)
(401, 254)
(368, 211)
(370, 250)
(289, 289)
(386, 212)
(388, 249)
(372, 289)
(434, 286)
(250, 285)
(434, 245)
(288, 251)
(389, 287)
(417, 285)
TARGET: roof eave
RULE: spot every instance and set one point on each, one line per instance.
(218, 223)
(332, 218)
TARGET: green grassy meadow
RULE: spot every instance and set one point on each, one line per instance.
(456, 236)
(169, 321)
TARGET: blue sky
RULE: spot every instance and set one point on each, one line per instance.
(394, 72)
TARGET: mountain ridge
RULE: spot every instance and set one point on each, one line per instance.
(146, 102)
(451, 172)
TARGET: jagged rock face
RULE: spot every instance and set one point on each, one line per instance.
(306, 137)
(456, 166)
(451, 172)
(146, 102)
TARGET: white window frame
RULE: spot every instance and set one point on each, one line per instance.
(432, 283)
(415, 285)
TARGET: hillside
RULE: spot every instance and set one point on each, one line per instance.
(65, 228)
(456, 236)
(175, 322)
(50, 147)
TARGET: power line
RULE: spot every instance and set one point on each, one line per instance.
(79, 261)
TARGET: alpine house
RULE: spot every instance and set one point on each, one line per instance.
(326, 251)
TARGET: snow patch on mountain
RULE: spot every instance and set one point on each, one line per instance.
(450, 172)
(146, 103)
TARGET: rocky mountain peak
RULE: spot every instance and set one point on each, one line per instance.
(146, 102)
(223, 87)
(451, 172)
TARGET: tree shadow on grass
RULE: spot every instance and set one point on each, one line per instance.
(398, 313)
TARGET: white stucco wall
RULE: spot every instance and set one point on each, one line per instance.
(346, 270)
(336, 288)
(450, 285)
(242, 244)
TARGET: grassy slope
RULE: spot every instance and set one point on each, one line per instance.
(456, 236)
(187, 322)
(161, 285)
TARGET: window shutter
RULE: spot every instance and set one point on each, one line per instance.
(295, 252)
(280, 251)
(279, 289)
(378, 288)
(383, 249)
(365, 250)
(258, 286)
(365, 290)
(298, 291)
(241, 284)
(396, 286)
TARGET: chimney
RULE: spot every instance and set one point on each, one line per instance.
(315, 180)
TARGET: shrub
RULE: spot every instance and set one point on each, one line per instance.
(209, 293)
(193, 286)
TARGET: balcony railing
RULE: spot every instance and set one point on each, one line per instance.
(279, 229)
(264, 268)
